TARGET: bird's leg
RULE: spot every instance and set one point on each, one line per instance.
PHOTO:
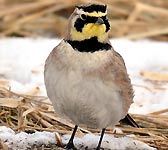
(70, 145)
(101, 137)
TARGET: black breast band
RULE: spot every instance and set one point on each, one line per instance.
(89, 45)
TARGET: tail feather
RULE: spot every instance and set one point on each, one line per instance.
(129, 121)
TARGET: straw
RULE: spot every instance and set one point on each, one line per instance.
(30, 113)
(131, 19)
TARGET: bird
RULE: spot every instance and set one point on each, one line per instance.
(85, 78)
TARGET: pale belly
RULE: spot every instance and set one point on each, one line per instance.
(85, 100)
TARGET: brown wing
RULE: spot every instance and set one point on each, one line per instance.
(122, 80)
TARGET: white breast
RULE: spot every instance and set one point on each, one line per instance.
(84, 99)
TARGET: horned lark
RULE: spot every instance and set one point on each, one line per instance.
(85, 78)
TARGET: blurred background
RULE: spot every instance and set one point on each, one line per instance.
(30, 29)
(131, 19)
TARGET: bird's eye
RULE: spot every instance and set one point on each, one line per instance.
(83, 17)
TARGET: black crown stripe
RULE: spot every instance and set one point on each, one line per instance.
(93, 7)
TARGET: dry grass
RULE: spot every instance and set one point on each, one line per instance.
(132, 19)
(29, 113)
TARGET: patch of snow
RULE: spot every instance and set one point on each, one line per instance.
(109, 142)
(145, 55)
(22, 140)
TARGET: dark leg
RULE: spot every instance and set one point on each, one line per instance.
(101, 137)
(70, 144)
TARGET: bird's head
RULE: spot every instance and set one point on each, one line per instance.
(89, 21)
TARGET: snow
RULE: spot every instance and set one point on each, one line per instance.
(110, 142)
(21, 69)
(149, 56)
(22, 140)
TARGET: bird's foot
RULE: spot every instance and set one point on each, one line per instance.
(98, 148)
(70, 146)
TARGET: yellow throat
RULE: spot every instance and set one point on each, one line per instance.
(90, 30)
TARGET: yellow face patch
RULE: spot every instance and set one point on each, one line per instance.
(90, 30)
